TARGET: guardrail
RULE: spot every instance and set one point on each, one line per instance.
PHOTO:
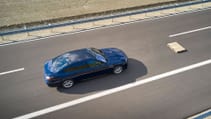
(25, 29)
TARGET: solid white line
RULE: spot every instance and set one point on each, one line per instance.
(191, 31)
(111, 91)
(12, 71)
(200, 114)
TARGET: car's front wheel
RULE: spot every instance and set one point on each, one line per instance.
(67, 83)
(117, 69)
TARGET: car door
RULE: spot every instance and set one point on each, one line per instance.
(97, 67)
(77, 71)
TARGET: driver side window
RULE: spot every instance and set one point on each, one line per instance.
(94, 63)
(76, 68)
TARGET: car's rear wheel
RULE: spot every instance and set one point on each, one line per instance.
(117, 69)
(67, 83)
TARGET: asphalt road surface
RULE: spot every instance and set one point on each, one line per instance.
(174, 97)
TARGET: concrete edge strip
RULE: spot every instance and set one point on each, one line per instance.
(102, 27)
(176, 5)
(111, 91)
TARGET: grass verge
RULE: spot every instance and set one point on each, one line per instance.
(17, 13)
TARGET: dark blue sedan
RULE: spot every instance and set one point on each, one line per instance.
(77, 65)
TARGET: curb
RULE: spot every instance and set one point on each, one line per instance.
(105, 17)
(38, 34)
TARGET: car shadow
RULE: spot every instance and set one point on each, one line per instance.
(135, 70)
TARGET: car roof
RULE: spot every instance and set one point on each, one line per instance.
(77, 56)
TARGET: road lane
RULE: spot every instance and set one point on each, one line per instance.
(173, 97)
(113, 90)
(144, 43)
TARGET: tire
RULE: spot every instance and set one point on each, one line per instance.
(118, 69)
(67, 83)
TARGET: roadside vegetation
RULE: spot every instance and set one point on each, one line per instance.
(20, 12)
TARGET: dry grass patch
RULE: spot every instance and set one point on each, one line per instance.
(25, 11)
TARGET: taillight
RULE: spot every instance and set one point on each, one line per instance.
(49, 78)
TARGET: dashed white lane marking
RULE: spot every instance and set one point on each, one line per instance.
(12, 71)
(191, 31)
(111, 91)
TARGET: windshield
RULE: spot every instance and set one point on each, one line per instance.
(95, 51)
(60, 62)
(98, 54)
